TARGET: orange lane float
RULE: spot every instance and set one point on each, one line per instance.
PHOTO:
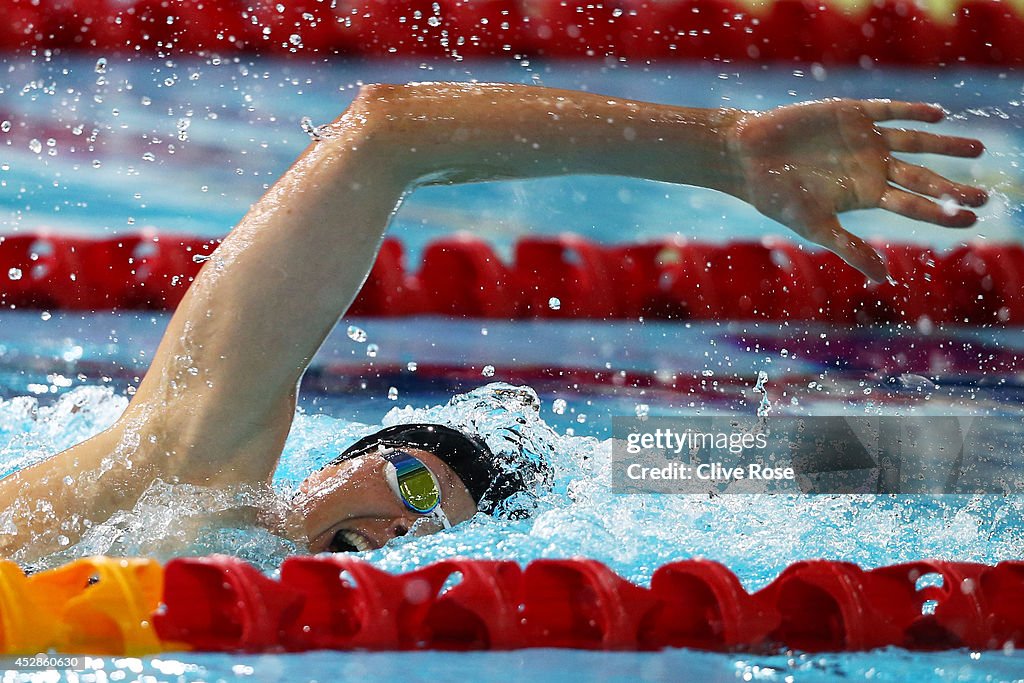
(564, 276)
(219, 603)
(984, 32)
(97, 605)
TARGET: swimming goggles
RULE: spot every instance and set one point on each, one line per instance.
(415, 485)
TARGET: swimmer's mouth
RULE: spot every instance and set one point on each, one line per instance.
(346, 541)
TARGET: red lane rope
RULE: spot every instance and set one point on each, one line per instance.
(894, 31)
(223, 604)
(565, 276)
(104, 605)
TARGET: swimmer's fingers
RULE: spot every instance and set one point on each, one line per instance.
(887, 110)
(917, 141)
(922, 209)
(847, 246)
(925, 181)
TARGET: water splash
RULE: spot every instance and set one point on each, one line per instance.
(170, 518)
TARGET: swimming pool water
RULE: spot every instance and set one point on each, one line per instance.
(553, 665)
(186, 146)
(71, 380)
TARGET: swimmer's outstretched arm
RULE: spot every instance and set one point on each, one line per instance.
(217, 402)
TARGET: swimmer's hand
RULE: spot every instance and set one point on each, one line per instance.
(802, 164)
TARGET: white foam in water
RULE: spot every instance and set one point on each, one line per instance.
(755, 535)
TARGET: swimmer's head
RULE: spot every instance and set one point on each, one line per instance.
(354, 502)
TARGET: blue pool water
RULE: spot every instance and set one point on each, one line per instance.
(186, 146)
(70, 380)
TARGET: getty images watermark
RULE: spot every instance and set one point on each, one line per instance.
(728, 454)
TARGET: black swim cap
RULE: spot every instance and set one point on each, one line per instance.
(467, 456)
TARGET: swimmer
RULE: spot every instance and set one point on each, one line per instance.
(217, 403)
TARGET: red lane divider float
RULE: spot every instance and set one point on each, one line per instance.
(337, 602)
(116, 606)
(565, 276)
(131, 272)
(895, 31)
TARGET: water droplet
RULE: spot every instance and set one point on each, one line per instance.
(488, 371)
(554, 303)
(356, 334)
(372, 350)
(69, 480)
(45, 315)
(101, 65)
(295, 39)
(201, 258)
(642, 410)
(14, 273)
(5, 126)
(558, 406)
(916, 382)
(411, 366)
(309, 129)
(149, 156)
(393, 394)
(35, 146)
(765, 406)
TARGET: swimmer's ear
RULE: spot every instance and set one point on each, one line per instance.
(847, 246)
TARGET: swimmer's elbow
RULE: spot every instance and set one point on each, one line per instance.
(375, 104)
(369, 120)
(391, 108)
(389, 95)
(371, 93)
(368, 98)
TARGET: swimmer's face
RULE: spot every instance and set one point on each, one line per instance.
(351, 506)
